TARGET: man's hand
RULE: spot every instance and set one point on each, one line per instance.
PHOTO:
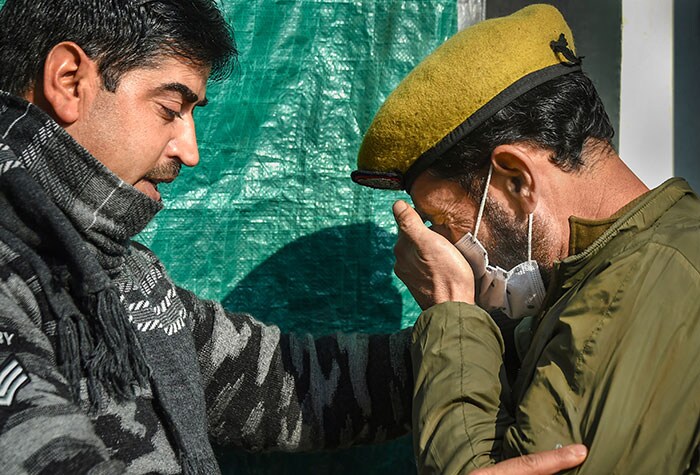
(430, 266)
(543, 463)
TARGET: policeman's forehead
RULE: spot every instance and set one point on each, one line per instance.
(431, 194)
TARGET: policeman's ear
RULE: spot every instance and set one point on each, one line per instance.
(68, 83)
(515, 177)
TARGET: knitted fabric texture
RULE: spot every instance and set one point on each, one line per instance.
(214, 375)
(94, 336)
(58, 217)
(460, 85)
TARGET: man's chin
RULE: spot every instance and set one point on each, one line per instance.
(149, 189)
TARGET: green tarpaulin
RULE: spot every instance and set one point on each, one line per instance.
(269, 222)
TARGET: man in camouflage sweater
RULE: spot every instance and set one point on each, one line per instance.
(85, 137)
(254, 387)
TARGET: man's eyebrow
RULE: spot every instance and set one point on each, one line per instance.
(187, 94)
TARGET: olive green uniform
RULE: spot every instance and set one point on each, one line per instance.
(611, 361)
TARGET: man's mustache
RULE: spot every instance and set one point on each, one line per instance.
(165, 172)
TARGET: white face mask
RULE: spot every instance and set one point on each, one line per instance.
(518, 292)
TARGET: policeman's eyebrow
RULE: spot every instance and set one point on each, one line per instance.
(187, 94)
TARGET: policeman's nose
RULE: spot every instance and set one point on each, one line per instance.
(184, 145)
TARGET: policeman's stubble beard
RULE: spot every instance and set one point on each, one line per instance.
(508, 240)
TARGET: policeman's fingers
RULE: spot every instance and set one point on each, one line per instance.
(408, 220)
(542, 463)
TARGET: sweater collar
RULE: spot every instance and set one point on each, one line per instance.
(105, 210)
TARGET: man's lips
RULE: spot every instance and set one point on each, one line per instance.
(149, 186)
(164, 173)
(155, 181)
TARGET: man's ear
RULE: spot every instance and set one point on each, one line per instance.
(515, 177)
(68, 82)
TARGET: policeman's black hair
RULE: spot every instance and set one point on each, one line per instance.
(561, 115)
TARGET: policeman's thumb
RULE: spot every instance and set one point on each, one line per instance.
(406, 217)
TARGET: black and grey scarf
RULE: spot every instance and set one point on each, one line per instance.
(94, 338)
(71, 221)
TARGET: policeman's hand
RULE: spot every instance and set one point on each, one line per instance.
(430, 266)
(543, 463)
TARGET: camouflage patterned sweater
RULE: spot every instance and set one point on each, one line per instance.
(215, 376)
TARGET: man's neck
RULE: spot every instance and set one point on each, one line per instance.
(608, 186)
(596, 192)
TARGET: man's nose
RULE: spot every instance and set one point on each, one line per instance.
(184, 145)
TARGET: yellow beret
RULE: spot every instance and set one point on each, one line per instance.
(457, 87)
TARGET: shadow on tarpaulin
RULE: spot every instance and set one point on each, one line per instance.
(348, 293)
(269, 222)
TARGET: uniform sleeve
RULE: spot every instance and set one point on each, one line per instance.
(266, 390)
(619, 373)
(41, 429)
(613, 366)
(460, 394)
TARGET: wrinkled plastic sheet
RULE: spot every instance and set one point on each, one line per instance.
(269, 222)
(270, 219)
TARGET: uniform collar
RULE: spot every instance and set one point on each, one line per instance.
(638, 215)
(583, 232)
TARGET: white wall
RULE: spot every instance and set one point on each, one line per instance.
(470, 12)
(646, 92)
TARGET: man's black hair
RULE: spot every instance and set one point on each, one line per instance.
(119, 35)
(560, 115)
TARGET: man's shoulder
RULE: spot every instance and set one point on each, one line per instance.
(140, 258)
(654, 236)
(655, 263)
(19, 285)
(142, 269)
(142, 250)
(678, 231)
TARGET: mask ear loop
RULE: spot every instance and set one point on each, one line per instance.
(529, 237)
(483, 202)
